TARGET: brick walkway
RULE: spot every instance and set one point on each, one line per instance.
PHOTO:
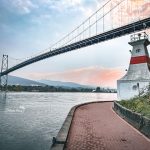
(96, 127)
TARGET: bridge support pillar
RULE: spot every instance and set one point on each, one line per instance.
(4, 78)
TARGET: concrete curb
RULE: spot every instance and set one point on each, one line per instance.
(135, 119)
(60, 141)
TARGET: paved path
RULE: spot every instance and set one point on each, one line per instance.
(97, 127)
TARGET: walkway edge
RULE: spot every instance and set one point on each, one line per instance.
(61, 138)
(138, 121)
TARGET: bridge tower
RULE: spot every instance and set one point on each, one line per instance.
(4, 78)
(138, 73)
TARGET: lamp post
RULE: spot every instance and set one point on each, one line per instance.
(138, 89)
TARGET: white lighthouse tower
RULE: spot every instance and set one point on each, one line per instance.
(138, 74)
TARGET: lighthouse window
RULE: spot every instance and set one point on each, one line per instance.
(138, 50)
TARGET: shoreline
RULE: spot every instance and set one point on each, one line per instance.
(59, 142)
(79, 115)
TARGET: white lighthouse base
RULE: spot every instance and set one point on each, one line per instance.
(128, 89)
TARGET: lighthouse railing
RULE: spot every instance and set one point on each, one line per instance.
(138, 36)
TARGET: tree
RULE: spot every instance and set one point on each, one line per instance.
(98, 89)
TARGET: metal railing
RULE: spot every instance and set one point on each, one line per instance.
(139, 36)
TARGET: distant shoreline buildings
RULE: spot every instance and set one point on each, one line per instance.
(104, 90)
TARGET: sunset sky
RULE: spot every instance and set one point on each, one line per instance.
(30, 26)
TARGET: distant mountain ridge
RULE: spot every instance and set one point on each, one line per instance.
(64, 84)
(13, 80)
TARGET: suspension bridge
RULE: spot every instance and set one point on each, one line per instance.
(115, 18)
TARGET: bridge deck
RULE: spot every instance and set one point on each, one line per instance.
(97, 127)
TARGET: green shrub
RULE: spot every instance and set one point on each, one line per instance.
(138, 104)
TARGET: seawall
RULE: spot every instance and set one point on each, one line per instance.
(59, 142)
(135, 119)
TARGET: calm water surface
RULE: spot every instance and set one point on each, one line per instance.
(28, 121)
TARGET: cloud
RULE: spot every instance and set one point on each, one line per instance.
(21, 6)
(26, 6)
(93, 75)
(131, 10)
(61, 5)
(141, 7)
(127, 11)
(83, 6)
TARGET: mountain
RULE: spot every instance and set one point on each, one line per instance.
(64, 84)
(13, 80)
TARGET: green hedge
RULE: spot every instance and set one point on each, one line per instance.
(138, 104)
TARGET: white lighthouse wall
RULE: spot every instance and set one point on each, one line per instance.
(126, 88)
(138, 72)
(142, 51)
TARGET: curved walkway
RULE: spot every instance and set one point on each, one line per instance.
(97, 127)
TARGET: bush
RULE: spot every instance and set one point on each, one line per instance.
(138, 104)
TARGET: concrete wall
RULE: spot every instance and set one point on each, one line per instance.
(136, 120)
(60, 140)
(128, 89)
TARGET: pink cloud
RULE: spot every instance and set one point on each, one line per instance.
(130, 10)
(98, 76)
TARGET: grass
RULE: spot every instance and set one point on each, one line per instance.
(138, 104)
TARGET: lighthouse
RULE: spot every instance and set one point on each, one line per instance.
(138, 74)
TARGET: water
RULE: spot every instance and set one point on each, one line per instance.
(28, 121)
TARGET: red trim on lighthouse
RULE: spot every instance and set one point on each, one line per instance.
(139, 60)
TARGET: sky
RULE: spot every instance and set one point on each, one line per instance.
(28, 27)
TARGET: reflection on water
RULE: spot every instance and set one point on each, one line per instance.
(3, 97)
(28, 121)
